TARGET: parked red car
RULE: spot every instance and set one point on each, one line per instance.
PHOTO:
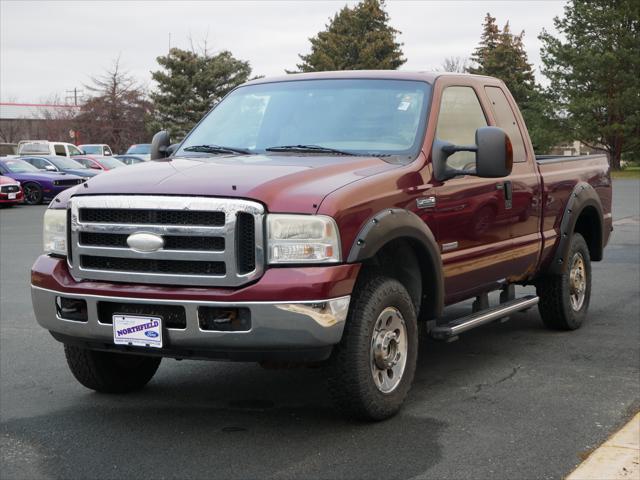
(98, 162)
(10, 191)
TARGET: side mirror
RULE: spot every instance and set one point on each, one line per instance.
(50, 168)
(160, 144)
(494, 155)
(95, 167)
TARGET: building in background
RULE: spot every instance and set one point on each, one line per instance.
(36, 121)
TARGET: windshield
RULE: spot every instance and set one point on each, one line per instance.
(20, 166)
(142, 148)
(92, 149)
(359, 116)
(111, 162)
(65, 163)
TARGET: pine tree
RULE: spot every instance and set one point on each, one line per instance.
(501, 54)
(189, 85)
(358, 38)
(594, 71)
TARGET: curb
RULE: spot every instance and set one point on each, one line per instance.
(616, 459)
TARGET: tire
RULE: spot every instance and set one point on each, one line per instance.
(378, 302)
(109, 372)
(561, 305)
(32, 193)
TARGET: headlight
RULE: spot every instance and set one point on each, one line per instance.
(302, 239)
(55, 231)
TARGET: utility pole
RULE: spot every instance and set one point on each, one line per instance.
(73, 94)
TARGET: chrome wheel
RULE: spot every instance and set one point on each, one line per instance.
(388, 354)
(577, 282)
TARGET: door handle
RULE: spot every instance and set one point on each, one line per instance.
(507, 187)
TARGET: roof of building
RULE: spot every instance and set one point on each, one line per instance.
(34, 111)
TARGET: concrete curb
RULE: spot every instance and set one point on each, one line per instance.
(617, 458)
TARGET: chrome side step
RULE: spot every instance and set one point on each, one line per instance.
(451, 330)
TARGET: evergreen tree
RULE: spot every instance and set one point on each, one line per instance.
(189, 85)
(358, 38)
(502, 54)
(594, 69)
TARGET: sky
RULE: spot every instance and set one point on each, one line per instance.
(48, 48)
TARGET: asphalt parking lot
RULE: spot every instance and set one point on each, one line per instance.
(508, 400)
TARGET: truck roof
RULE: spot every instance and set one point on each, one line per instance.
(424, 76)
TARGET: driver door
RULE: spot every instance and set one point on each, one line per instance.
(473, 239)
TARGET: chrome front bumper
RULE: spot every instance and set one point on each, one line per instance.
(274, 325)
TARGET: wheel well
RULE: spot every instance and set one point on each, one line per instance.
(589, 226)
(406, 261)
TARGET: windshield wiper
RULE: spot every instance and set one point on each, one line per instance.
(307, 149)
(216, 149)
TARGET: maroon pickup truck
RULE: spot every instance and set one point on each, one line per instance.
(321, 218)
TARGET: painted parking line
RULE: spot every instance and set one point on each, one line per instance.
(617, 458)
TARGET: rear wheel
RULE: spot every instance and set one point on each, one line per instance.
(371, 370)
(109, 372)
(32, 193)
(564, 298)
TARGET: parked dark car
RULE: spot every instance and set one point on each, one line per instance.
(10, 191)
(37, 185)
(53, 163)
(142, 150)
(97, 162)
(130, 159)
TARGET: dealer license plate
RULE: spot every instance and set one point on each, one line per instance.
(12, 196)
(137, 331)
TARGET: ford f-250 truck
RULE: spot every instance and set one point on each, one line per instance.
(321, 218)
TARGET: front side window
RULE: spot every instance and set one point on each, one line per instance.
(460, 116)
(359, 116)
(37, 162)
(74, 150)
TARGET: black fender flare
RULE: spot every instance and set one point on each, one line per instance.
(395, 223)
(582, 196)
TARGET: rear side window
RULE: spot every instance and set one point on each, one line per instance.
(59, 149)
(460, 116)
(506, 120)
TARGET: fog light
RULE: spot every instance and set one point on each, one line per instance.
(71, 309)
(224, 319)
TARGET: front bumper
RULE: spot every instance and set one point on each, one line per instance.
(290, 327)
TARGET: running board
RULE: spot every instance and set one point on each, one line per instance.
(451, 330)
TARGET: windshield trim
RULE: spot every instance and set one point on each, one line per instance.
(401, 158)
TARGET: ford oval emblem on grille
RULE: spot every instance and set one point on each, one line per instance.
(145, 242)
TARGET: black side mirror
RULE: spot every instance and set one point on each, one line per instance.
(172, 148)
(494, 155)
(160, 144)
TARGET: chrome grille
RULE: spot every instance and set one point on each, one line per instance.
(207, 241)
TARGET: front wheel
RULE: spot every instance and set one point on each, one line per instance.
(109, 372)
(32, 193)
(564, 298)
(371, 370)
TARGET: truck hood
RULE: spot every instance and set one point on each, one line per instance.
(284, 183)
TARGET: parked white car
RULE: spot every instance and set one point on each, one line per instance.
(101, 149)
(44, 147)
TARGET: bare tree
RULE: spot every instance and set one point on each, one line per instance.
(116, 110)
(455, 64)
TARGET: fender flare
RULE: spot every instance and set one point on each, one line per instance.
(395, 223)
(582, 196)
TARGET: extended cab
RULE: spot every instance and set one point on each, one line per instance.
(320, 218)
